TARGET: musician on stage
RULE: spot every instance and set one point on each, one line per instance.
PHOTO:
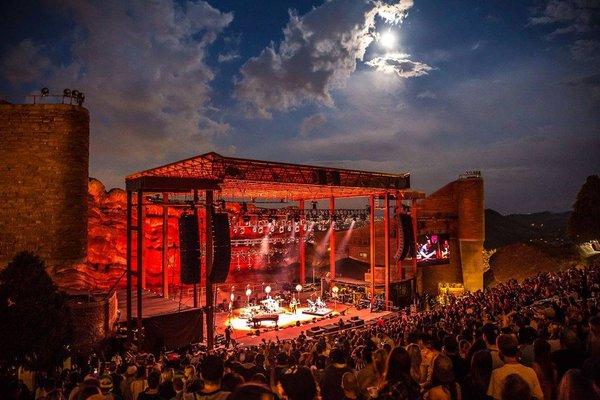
(294, 305)
(228, 331)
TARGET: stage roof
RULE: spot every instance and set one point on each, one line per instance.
(244, 178)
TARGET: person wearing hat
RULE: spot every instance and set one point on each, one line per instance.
(89, 380)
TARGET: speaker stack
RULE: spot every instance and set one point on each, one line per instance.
(408, 238)
(221, 248)
(189, 248)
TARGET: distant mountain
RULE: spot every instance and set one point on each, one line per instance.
(542, 227)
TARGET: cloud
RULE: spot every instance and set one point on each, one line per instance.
(571, 17)
(589, 80)
(24, 63)
(228, 57)
(141, 66)
(318, 53)
(399, 64)
(427, 94)
(514, 123)
(586, 49)
(311, 123)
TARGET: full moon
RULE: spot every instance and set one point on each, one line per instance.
(387, 39)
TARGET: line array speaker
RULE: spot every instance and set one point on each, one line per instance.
(221, 248)
(189, 249)
(408, 238)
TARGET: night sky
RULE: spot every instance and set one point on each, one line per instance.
(511, 88)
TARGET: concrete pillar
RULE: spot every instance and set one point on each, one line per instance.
(471, 231)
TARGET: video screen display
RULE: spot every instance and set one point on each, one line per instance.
(433, 249)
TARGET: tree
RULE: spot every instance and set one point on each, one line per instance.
(584, 222)
(36, 322)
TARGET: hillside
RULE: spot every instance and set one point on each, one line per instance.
(542, 227)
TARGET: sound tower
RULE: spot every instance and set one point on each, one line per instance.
(189, 248)
(221, 248)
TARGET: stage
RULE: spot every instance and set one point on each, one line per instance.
(247, 335)
(285, 318)
(288, 326)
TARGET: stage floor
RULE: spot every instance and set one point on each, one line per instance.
(286, 318)
(245, 335)
(155, 305)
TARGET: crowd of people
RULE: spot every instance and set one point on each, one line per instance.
(537, 339)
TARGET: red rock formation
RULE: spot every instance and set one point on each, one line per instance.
(107, 244)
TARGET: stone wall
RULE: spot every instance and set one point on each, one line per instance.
(94, 317)
(43, 181)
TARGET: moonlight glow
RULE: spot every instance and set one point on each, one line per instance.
(387, 39)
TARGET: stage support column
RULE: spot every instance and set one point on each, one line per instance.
(372, 244)
(210, 322)
(143, 270)
(413, 212)
(195, 294)
(302, 244)
(398, 227)
(386, 246)
(140, 258)
(165, 245)
(129, 269)
(332, 240)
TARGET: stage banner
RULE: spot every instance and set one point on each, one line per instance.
(173, 330)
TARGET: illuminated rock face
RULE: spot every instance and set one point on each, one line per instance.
(107, 244)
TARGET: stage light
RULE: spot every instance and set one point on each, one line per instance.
(267, 289)
(298, 287)
(232, 296)
(254, 229)
(260, 230)
(335, 289)
(248, 292)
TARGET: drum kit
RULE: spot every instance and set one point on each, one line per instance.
(317, 305)
(270, 305)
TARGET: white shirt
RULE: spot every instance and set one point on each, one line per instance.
(500, 374)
